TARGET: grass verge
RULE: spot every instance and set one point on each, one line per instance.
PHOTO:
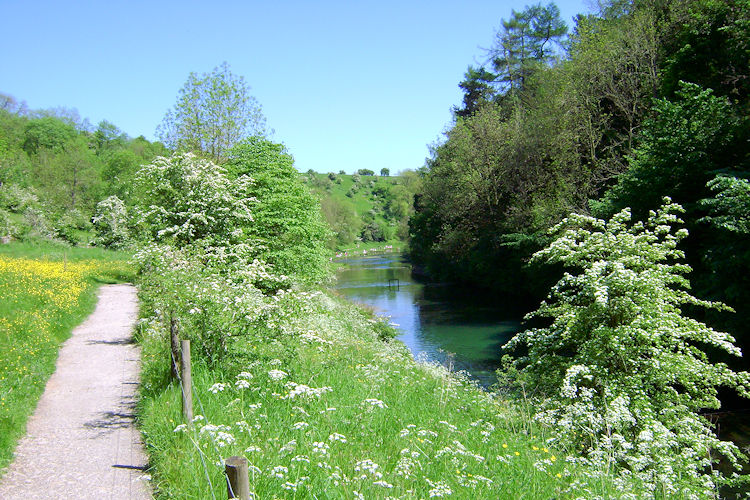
(324, 406)
(46, 291)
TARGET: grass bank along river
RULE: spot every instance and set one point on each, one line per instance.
(458, 325)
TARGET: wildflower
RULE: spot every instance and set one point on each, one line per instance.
(300, 425)
(382, 483)
(439, 489)
(277, 374)
(375, 402)
(217, 388)
(279, 471)
(337, 437)
(320, 448)
(180, 428)
(223, 439)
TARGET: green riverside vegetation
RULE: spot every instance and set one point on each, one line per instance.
(605, 169)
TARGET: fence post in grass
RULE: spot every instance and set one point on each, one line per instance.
(174, 339)
(238, 480)
(187, 383)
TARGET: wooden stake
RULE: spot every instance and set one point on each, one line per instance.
(187, 383)
(174, 336)
(238, 481)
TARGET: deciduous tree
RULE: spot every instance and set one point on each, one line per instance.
(214, 111)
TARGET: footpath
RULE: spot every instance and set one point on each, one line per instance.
(81, 441)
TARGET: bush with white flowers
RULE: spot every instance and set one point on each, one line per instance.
(111, 223)
(621, 371)
(184, 199)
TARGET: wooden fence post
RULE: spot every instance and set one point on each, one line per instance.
(187, 383)
(238, 480)
(174, 339)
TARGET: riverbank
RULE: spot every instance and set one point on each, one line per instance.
(314, 392)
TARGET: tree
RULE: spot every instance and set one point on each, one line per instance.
(111, 223)
(385, 172)
(526, 41)
(287, 222)
(478, 88)
(682, 146)
(47, 133)
(214, 111)
(622, 373)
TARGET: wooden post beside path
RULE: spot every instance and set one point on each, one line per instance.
(174, 340)
(187, 383)
(238, 480)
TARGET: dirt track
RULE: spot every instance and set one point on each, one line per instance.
(81, 442)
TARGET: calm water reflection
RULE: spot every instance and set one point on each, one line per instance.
(440, 320)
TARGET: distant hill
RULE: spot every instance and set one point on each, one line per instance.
(367, 208)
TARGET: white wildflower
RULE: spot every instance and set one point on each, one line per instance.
(217, 388)
(337, 437)
(277, 374)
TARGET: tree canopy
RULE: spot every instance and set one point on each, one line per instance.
(214, 111)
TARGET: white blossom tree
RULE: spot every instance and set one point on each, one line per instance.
(622, 372)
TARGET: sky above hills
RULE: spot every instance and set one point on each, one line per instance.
(345, 84)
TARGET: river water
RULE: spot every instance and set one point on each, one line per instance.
(458, 326)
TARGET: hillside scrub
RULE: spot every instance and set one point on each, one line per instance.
(365, 208)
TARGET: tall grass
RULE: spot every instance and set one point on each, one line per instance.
(322, 407)
(46, 291)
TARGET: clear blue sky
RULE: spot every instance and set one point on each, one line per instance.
(346, 85)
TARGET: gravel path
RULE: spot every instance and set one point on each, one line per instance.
(81, 442)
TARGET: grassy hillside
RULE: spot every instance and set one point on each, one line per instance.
(365, 208)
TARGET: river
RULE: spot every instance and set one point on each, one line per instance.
(458, 326)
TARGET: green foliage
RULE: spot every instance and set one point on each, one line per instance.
(287, 222)
(47, 133)
(214, 112)
(342, 220)
(686, 142)
(385, 172)
(623, 371)
(710, 48)
(367, 208)
(526, 42)
(730, 206)
(53, 170)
